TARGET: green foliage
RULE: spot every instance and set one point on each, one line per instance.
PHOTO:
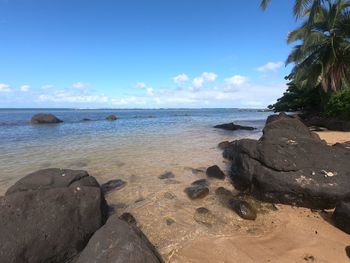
(339, 105)
(299, 99)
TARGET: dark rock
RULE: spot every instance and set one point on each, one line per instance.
(53, 178)
(347, 251)
(325, 122)
(202, 210)
(112, 185)
(169, 221)
(140, 199)
(233, 127)
(42, 118)
(49, 225)
(85, 119)
(309, 258)
(243, 209)
(197, 191)
(201, 182)
(205, 217)
(277, 117)
(215, 172)
(197, 170)
(166, 175)
(111, 117)
(129, 218)
(289, 164)
(224, 145)
(341, 216)
(118, 241)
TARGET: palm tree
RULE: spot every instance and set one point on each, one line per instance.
(323, 56)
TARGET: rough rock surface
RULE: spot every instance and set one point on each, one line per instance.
(118, 241)
(112, 185)
(341, 216)
(289, 164)
(42, 118)
(48, 217)
(329, 123)
(215, 172)
(233, 127)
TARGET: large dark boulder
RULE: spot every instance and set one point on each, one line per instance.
(289, 164)
(332, 124)
(118, 241)
(341, 216)
(233, 127)
(42, 118)
(48, 217)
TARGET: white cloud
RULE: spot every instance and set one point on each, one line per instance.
(270, 66)
(150, 91)
(198, 82)
(180, 79)
(47, 86)
(24, 88)
(140, 85)
(80, 85)
(4, 87)
(236, 80)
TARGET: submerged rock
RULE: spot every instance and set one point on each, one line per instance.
(205, 217)
(111, 117)
(85, 119)
(112, 185)
(49, 216)
(341, 216)
(118, 241)
(233, 127)
(166, 175)
(215, 172)
(197, 191)
(42, 118)
(201, 182)
(243, 209)
(289, 164)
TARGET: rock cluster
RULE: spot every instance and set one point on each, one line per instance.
(233, 127)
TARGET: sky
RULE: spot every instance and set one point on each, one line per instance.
(143, 53)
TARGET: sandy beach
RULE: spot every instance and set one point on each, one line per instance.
(332, 137)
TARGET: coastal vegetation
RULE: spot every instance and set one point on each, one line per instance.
(320, 77)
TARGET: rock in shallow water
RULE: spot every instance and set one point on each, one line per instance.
(197, 191)
(215, 172)
(43, 118)
(112, 185)
(243, 209)
(111, 117)
(290, 164)
(233, 127)
(166, 175)
(205, 216)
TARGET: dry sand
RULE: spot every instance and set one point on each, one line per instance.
(289, 235)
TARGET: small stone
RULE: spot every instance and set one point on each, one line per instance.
(167, 175)
(111, 117)
(201, 182)
(205, 217)
(243, 209)
(215, 172)
(139, 200)
(129, 218)
(85, 119)
(309, 258)
(78, 188)
(112, 185)
(202, 210)
(197, 191)
(169, 221)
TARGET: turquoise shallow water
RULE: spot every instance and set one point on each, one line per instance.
(140, 142)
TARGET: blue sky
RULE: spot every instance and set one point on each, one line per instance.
(143, 53)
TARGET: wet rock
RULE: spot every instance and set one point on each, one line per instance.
(309, 258)
(112, 185)
(43, 118)
(341, 216)
(85, 119)
(224, 196)
(166, 175)
(197, 170)
(197, 191)
(201, 182)
(215, 172)
(347, 251)
(276, 117)
(118, 241)
(111, 117)
(139, 200)
(243, 209)
(205, 217)
(289, 164)
(233, 127)
(44, 218)
(169, 195)
(129, 218)
(223, 145)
